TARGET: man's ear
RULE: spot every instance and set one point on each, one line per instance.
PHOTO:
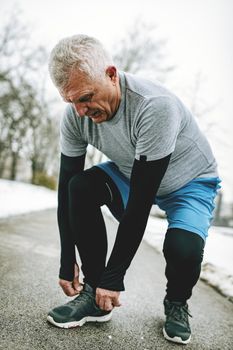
(111, 71)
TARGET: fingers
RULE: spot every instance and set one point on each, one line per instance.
(68, 288)
(105, 303)
(77, 285)
(107, 299)
(76, 270)
(117, 303)
(72, 288)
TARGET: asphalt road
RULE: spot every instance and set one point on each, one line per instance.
(29, 260)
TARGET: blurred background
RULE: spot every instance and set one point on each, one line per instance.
(186, 44)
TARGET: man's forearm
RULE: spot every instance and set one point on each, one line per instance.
(133, 223)
(69, 167)
(68, 258)
(129, 236)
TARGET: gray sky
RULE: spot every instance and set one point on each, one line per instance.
(200, 39)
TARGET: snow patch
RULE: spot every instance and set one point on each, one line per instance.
(218, 278)
(20, 198)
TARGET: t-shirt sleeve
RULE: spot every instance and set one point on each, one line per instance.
(72, 143)
(157, 128)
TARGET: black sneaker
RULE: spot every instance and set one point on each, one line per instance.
(176, 328)
(78, 311)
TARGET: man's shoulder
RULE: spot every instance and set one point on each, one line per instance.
(71, 117)
(143, 95)
(143, 87)
(69, 111)
(69, 120)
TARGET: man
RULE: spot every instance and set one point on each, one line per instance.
(157, 155)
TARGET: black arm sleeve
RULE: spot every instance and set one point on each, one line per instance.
(144, 183)
(69, 166)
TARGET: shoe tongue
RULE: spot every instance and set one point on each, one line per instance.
(178, 303)
(88, 288)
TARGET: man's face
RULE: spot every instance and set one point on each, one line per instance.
(97, 100)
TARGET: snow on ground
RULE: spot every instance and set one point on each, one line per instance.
(217, 269)
(19, 198)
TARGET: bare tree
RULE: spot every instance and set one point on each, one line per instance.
(41, 142)
(142, 51)
(14, 121)
(25, 121)
(203, 111)
(198, 105)
(18, 57)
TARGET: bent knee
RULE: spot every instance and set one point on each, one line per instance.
(181, 246)
(79, 185)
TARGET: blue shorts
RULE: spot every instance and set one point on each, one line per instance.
(189, 208)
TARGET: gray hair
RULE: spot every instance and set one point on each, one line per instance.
(78, 53)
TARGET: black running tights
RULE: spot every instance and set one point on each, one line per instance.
(92, 188)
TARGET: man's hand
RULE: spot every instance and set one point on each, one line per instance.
(107, 299)
(72, 288)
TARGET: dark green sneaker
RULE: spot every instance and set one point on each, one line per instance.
(78, 311)
(176, 328)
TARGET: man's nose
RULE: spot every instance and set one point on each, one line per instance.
(82, 110)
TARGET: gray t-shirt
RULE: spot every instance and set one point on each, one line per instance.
(150, 121)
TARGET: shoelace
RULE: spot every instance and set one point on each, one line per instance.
(83, 296)
(179, 312)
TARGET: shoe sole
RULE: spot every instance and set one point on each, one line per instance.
(81, 322)
(176, 339)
